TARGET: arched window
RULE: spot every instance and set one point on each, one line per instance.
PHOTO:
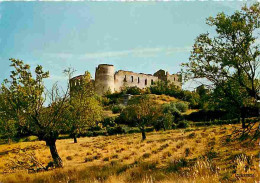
(132, 78)
(152, 82)
(145, 82)
(138, 80)
(125, 78)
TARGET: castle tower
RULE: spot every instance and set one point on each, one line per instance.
(104, 79)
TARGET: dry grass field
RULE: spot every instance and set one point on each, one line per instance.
(207, 154)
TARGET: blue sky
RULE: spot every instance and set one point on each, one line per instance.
(137, 36)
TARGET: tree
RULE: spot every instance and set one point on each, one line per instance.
(85, 109)
(8, 128)
(230, 59)
(141, 113)
(25, 98)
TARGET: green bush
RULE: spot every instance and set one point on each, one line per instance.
(117, 108)
(108, 122)
(133, 90)
(183, 124)
(115, 130)
(181, 106)
(171, 109)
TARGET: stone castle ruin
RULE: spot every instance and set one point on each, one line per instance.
(107, 79)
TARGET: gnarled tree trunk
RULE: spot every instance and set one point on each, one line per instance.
(75, 138)
(243, 116)
(54, 153)
(143, 134)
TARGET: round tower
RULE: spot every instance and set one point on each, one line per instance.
(104, 79)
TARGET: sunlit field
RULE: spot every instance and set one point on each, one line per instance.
(206, 154)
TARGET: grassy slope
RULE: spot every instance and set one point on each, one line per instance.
(159, 99)
(170, 156)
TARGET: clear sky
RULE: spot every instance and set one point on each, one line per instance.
(136, 36)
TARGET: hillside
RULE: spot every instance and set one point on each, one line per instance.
(207, 154)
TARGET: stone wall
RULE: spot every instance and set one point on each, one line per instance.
(175, 79)
(129, 79)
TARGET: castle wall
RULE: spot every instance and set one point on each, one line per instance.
(175, 79)
(130, 79)
(106, 79)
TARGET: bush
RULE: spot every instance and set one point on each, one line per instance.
(115, 130)
(172, 109)
(94, 128)
(207, 115)
(181, 106)
(118, 108)
(133, 90)
(183, 124)
(109, 122)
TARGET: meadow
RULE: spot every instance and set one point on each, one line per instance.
(205, 154)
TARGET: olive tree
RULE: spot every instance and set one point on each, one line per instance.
(141, 113)
(84, 109)
(31, 106)
(229, 60)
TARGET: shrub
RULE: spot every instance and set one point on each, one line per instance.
(105, 101)
(117, 108)
(109, 122)
(133, 90)
(181, 106)
(95, 128)
(115, 130)
(183, 124)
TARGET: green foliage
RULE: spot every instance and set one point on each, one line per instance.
(117, 108)
(115, 130)
(112, 98)
(171, 109)
(141, 112)
(8, 129)
(132, 90)
(108, 122)
(181, 106)
(84, 109)
(23, 97)
(183, 124)
(230, 59)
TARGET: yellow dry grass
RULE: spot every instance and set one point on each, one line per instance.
(162, 99)
(194, 155)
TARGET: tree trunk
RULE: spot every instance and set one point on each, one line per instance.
(75, 138)
(9, 140)
(143, 134)
(243, 116)
(55, 156)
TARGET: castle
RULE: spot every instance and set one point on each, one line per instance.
(107, 79)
